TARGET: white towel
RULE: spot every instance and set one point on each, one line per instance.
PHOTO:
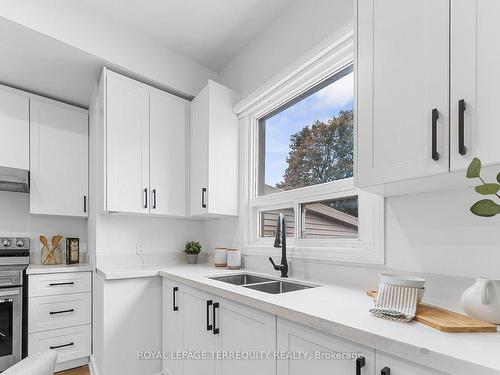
(395, 303)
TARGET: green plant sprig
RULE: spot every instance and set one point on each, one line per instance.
(484, 207)
(192, 247)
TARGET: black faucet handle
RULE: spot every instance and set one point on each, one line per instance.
(272, 262)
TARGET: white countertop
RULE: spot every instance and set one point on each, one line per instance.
(344, 312)
(129, 272)
(38, 269)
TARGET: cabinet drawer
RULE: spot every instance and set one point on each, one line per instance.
(59, 283)
(52, 312)
(70, 343)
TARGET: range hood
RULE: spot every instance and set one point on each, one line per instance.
(14, 179)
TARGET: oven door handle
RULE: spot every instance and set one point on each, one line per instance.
(9, 293)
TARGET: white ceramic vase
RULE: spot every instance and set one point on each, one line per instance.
(482, 300)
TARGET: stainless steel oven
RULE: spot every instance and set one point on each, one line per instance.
(14, 258)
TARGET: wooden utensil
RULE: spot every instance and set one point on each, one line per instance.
(45, 243)
(56, 240)
(446, 320)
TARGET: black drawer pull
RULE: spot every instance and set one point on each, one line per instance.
(61, 312)
(67, 283)
(462, 150)
(154, 199)
(145, 198)
(61, 346)
(174, 294)
(360, 363)
(215, 329)
(85, 203)
(435, 116)
(385, 371)
(209, 326)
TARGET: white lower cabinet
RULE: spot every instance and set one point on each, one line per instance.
(197, 324)
(59, 316)
(388, 365)
(322, 351)
(200, 324)
(70, 343)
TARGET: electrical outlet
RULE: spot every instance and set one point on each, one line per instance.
(138, 248)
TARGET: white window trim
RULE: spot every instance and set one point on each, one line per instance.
(369, 246)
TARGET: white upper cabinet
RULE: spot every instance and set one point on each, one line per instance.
(14, 128)
(167, 154)
(475, 82)
(127, 145)
(402, 90)
(214, 152)
(58, 158)
(145, 148)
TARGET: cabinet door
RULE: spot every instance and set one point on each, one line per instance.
(295, 338)
(246, 330)
(127, 145)
(14, 127)
(199, 153)
(475, 79)
(59, 159)
(167, 154)
(400, 367)
(196, 337)
(402, 76)
(172, 327)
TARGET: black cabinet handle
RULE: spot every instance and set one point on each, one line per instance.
(435, 116)
(203, 196)
(145, 198)
(385, 371)
(84, 203)
(67, 283)
(154, 198)
(174, 294)
(61, 312)
(360, 363)
(215, 329)
(209, 326)
(462, 150)
(61, 346)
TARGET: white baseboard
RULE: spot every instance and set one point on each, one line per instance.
(92, 366)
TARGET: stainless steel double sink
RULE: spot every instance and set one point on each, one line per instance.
(261, 283)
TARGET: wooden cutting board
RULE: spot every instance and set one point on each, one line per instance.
(446, 320)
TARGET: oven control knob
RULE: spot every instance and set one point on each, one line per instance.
(20, 243)
(6, 243)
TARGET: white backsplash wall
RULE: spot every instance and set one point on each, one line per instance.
(162, 239)
(432, 235)
(15, 220)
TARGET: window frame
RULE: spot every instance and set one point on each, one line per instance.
(368, 247)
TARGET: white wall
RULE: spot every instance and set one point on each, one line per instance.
(15, 220)
(75, 24)
(299, 28)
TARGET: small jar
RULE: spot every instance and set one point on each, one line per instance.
(233, 259)
(220, 258)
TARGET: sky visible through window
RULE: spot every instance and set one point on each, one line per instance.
(322, 105)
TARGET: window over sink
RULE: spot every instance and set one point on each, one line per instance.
(299, 153)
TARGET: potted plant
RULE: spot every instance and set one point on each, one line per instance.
(192, 249)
